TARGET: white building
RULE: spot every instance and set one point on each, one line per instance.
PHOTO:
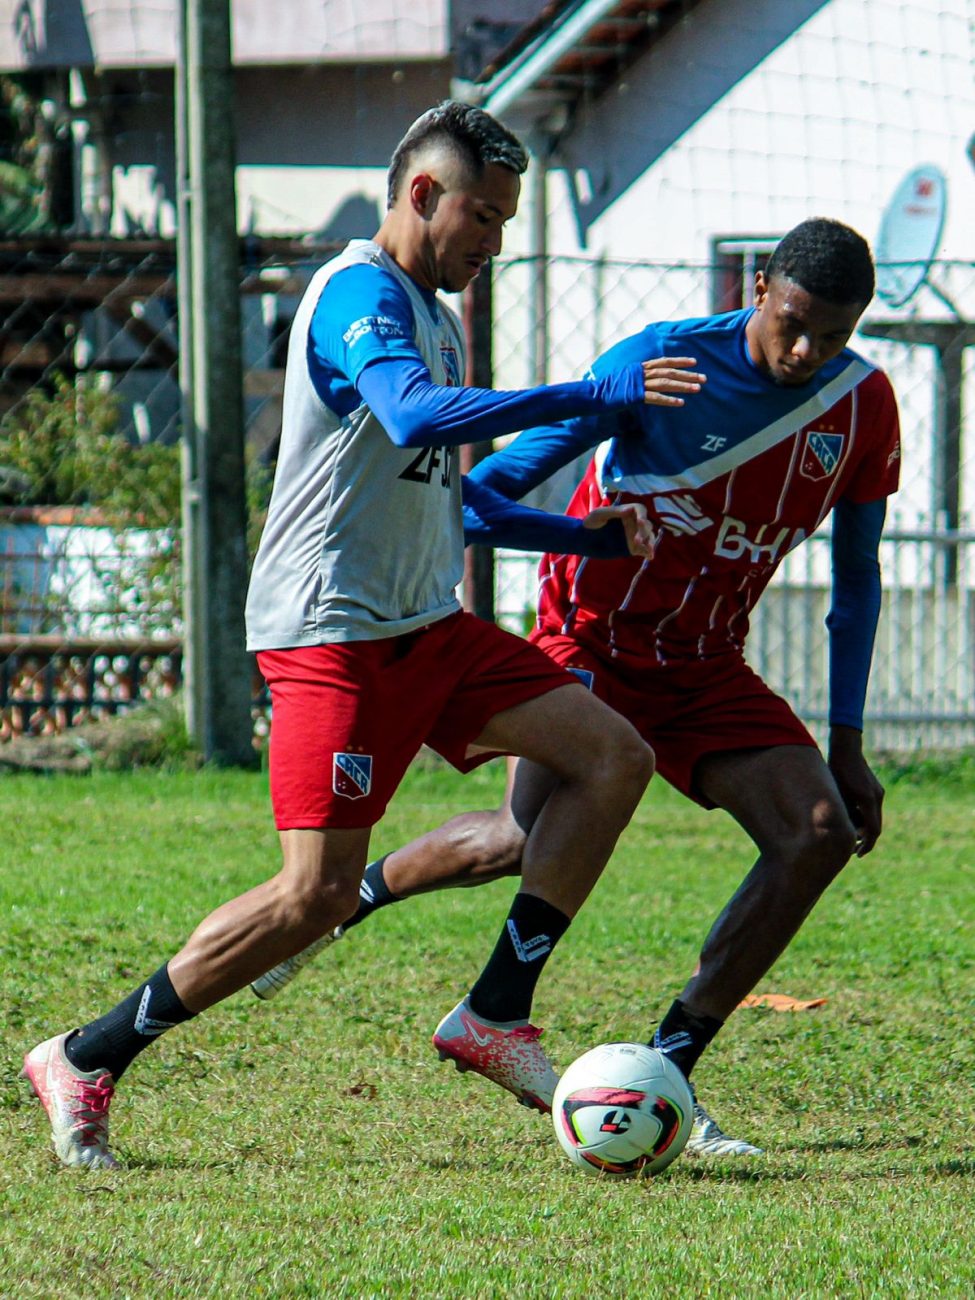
(674, 141)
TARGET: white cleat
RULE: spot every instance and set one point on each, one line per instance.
(707, 1139)
(76, 1104)
(508, 1053)
(270, 985)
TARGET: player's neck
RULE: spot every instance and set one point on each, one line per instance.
(400, 244)
(753, 344)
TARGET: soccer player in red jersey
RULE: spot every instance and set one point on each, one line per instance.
(792, 426)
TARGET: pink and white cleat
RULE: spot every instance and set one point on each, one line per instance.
(508, 1053)
(76, 1104)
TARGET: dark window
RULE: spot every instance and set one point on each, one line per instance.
(734, 261)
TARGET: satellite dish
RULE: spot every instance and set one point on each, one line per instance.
(909, 235)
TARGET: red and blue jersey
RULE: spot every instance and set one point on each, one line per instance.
(733, 480)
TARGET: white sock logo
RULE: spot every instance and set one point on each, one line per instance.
(144, 1023)
(533, 949)
(673, 1042)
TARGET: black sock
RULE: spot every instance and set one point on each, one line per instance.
(114, 1041)
(683, 1036)
(373, 892)
(506, 986)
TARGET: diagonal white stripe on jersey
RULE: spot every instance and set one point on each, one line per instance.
(724, 462)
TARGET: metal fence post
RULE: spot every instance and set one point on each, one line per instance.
(479, 327)
(219, 713)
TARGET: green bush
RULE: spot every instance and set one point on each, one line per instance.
(65, 441)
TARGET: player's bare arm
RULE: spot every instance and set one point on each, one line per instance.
(665, 379)
(861, 791)
(633, 516)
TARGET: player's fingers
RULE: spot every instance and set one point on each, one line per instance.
(632, 509)
(639, 542)
(665, 389)
(673, 368)
(642, 541)
(667, 363)
(868, 831)
(639, 529)
(651, 397)
(674, 379)
(636, 526)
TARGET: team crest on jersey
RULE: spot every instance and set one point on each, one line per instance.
(451, 367)
(822, 454)
(352, 775)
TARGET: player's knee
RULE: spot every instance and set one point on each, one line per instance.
(314, 909)
(825, 842)
(836, 838)
(623, 762)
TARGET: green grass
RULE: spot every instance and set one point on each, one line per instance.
(314, 1146)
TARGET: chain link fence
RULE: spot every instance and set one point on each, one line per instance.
(553, 317)
(90, 463)
(90, 547)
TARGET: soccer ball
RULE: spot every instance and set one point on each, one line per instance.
(623, 1109)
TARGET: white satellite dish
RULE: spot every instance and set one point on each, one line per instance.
(909, 235)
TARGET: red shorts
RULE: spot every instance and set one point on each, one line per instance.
(347, 718)
(685, 710)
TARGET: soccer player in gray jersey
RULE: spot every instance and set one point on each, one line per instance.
(353, 616)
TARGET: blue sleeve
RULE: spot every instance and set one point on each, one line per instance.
(493, 520)
(536, 454)
(362, 333)
(416, 412)
(362, 316)
(855, 607)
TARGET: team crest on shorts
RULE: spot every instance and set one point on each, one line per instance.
(352, 775)
(585, 675)
(821, 454)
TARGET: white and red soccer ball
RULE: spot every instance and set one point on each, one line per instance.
(623, 1109)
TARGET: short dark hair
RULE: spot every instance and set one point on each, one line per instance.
(827, 259)
(474, 136)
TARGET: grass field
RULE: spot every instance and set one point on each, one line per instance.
(316, 1147)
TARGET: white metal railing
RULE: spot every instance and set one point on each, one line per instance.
(922, 686)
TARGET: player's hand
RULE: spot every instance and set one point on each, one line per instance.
(665, 379)
(862, 792)
(636, 525)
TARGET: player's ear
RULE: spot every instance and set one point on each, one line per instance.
(761, 288)
(423, 191)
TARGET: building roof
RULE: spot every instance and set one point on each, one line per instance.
(572, 51)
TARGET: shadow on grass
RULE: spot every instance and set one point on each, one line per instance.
(856, 1144)
(963, 1163)
(963, 1168)
(172, 1164)
(728, 1173)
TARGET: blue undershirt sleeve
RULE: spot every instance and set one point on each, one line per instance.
(493, 520)
(362, 335)
(538, 453)
(855, 606)
(416, 412)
